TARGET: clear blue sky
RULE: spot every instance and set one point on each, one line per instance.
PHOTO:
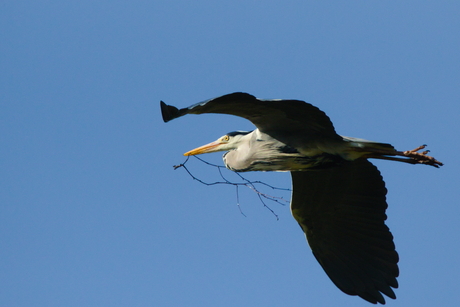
(92, 212)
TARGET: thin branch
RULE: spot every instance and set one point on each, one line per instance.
(246, 182)
(238, 200)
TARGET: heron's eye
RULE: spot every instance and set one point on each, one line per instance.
(225, 138)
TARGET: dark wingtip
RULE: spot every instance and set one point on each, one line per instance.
(168, 112)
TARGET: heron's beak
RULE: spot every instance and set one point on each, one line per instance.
(211, 147)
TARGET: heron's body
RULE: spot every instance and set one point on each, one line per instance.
(258, 151)
(338, 195)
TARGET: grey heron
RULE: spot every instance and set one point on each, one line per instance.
(338, 197)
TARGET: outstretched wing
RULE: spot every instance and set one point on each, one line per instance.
(279, 118)
(342, 212)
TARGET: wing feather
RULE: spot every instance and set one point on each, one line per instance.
(342, 212)
(279, 118)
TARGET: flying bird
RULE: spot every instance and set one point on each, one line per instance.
(338, 196)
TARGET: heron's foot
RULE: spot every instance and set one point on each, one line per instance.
(421, 157)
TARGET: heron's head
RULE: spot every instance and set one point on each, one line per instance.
(227, 142)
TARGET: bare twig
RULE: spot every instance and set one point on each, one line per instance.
(245, 182)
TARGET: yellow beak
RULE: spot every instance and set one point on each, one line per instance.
(211, 147)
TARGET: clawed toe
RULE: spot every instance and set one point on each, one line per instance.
(421, 157)
(416, 149)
